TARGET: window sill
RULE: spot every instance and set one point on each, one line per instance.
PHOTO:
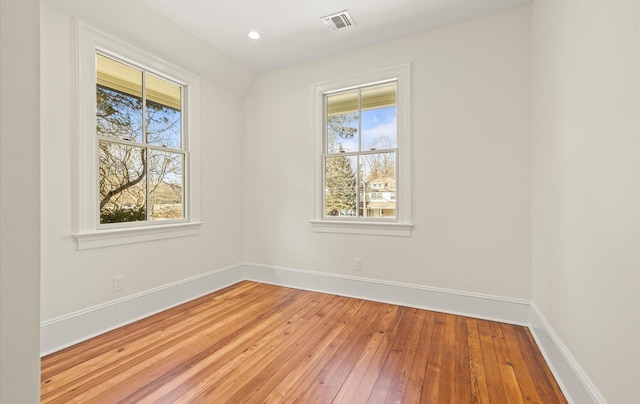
(122, 236)
(367, 228)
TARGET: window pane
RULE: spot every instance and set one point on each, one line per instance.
(378, 185)
(122, 183)
(342, 122)
(164, 117)
(340, 186)
(379, 123)
(118, 100)
(166, 182)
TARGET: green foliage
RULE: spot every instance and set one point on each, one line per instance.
(340, 185)
(340, 171)
(124, 214)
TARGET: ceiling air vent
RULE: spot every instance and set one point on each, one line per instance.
(338, 20)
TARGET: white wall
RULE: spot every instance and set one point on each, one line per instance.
(135, 22)
(585, 185)
(76, 280)
(470, 156)
(19, 202)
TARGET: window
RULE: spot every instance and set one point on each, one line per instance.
(138, 145)
(362, 154)
(360, 150)
(141, 155)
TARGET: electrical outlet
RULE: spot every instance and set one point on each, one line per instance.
(117, 283)
(358, 264)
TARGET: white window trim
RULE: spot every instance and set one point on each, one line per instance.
(402, 225)
(88, 232)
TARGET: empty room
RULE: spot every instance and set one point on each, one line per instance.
(341, 201)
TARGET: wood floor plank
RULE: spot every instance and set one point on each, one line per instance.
(257, 343)
(430, 392)
(477, 363)
(357, 386)
(327, 383)
(462, 380)
(414, 390)
(394, 358)
(311, 364)
(490, 365)
(511, 385)
(391, 381)
(527, 385)
(508, 377)
(446, 385)
(406, 352)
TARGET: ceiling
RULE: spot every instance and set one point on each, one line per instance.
(292, 31)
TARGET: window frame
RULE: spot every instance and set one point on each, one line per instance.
(359, 154)
(401, 225)
(89, 232)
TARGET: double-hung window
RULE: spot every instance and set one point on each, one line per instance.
(137, 143)
(362, 154)
(141, 153)
(361, 145)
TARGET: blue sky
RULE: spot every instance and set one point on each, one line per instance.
(376, 124)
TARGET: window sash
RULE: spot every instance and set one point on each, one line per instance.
(147, 179)
(144, 143)
(360, 194)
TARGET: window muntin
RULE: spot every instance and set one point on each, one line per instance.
(141, 156)
(360, 153)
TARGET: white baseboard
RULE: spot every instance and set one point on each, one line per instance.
(70, 329)
(487, 307)
(67, 330)
(573, 380)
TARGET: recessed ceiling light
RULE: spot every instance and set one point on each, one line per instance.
(254, 35)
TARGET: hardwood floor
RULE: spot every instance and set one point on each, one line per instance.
(257, 343)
